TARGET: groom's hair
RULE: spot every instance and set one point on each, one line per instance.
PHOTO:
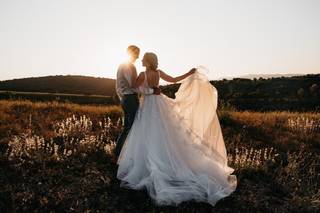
(132, 49)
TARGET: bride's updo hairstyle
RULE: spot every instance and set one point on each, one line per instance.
(151, 59)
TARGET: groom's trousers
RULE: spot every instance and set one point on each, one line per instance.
(130, 105)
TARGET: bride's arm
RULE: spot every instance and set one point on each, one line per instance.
(171, 79)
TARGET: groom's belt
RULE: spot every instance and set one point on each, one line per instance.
(133, 94)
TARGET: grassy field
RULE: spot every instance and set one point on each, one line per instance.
(56, 157)
(59, 97)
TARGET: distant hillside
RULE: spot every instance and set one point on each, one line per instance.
(257, 76)
(298, 93)
(266, 76)
(62, 84)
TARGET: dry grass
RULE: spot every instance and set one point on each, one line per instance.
(279, 119)
(17, 116)
(55, 157)
(7, 105)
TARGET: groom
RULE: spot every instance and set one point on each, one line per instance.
(128, 94)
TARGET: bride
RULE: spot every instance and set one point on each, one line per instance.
(175, 147)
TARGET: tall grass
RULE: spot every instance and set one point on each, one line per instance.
(56, 155)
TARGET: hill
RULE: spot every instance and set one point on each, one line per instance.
(62, 84)
(297, 93)
(266, 76)
(257, 76)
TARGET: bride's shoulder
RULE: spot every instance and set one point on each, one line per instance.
(159, 71)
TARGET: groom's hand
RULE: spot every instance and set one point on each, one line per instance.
(156, 91)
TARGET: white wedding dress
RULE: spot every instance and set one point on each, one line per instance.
(175, 147)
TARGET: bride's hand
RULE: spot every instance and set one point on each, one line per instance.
(192, 71)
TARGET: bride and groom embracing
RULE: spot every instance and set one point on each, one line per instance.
(174, 148)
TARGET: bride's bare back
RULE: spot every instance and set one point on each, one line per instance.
(153, 78)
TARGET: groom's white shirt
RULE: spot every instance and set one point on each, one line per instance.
(124, 81)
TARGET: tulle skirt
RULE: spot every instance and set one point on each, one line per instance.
(167, 153)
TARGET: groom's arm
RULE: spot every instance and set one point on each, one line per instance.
(134, 77)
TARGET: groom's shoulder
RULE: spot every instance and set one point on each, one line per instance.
(123, 65)
(126, 66)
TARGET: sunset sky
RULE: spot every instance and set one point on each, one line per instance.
(89, 37)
